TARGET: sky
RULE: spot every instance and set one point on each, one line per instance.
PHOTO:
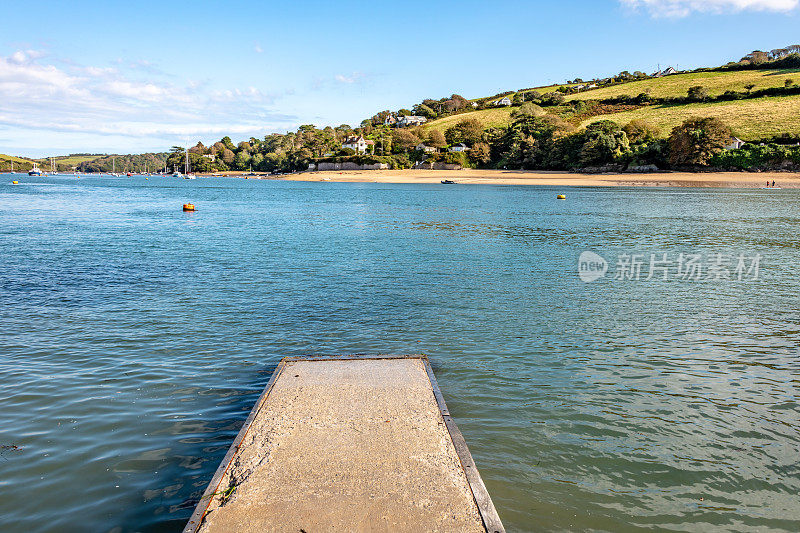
(97, 77)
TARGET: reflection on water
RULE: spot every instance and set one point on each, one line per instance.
(136, 338)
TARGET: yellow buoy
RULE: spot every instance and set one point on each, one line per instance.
(188, 207)
(562, 197)
(15, 182)
(147, 178)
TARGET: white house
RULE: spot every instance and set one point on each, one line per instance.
(411, 120)
(666, 72)
(425, 148)
(505, 101)
(460, 147)
(212, 157)
(475, 104)
(390, 120)
(359, 144)
(735, 144)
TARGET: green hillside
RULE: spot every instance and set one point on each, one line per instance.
(715, 83)
(20, 163)
(750, 118)
(498, 116)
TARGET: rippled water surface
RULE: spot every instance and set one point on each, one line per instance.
(134, 339)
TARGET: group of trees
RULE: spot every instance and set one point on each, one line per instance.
(788, 57)
(274, 153)
(149, 162)
(539, 140)
(757, 57)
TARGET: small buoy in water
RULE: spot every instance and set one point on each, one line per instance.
(562, 197)
(188, 207)
(15, 182)
(147, 178)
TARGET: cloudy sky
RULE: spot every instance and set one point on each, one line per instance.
(94, 77)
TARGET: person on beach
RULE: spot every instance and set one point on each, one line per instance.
(773, 183)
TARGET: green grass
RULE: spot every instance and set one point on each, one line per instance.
(678, 84)
(749, 119)
(76, 159)
(7, 158)
(496, 116)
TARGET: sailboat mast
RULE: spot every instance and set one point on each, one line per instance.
(187, 161)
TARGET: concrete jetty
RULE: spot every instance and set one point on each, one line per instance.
(352, 443)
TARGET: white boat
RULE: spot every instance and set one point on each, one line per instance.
(34, 171)
(188, 170)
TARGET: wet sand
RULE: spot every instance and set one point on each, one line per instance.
(522, 177)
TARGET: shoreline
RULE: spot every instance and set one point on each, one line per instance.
(751, 180)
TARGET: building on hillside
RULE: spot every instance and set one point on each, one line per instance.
(422, 147)
(505, 101)
(475, 105)
(735, 143)
(460, 147)
(210, 157)
(411, 120)
(666, 72)
(390, 120)
(357, 143)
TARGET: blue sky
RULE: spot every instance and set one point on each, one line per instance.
(141, 76)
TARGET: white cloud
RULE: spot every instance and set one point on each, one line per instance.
(683, 8)
(351, 78)
(69, 99)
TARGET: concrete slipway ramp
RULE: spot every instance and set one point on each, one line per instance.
(354, 443)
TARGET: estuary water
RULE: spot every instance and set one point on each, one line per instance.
(135, 338)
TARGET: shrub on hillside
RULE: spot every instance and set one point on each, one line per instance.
(697, 93)
(697, 140)
(604, 142)
(641, 131)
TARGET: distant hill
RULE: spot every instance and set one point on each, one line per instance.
(20, 163)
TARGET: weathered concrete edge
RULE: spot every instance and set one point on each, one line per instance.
(196, 520)
(486, 508)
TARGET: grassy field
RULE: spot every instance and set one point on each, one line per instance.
(72, 160)
(498, 116)
(678, 84)
(7, 158)
(749, 119)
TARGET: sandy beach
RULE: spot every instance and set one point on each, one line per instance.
(521, 177)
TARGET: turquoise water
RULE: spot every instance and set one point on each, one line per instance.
(136, 337)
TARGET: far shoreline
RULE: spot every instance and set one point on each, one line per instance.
(750, 180)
